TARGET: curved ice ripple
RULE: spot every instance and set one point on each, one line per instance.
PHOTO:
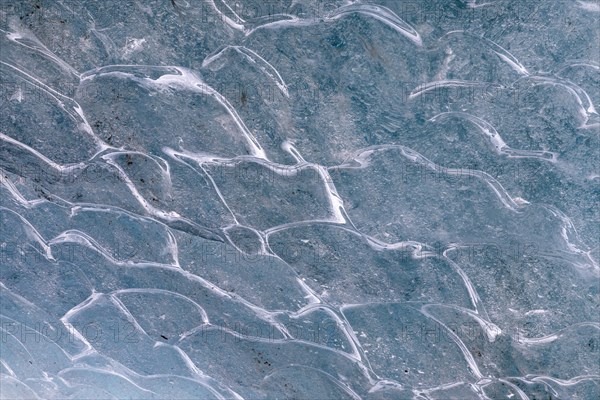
(382, 14)
(310, 200)
(496, 140)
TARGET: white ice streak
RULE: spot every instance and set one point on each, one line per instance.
(495, 139)
(362, 159)
(255, 59)
(177, 78)
(382, 14)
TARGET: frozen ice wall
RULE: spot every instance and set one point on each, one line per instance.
(215, 199)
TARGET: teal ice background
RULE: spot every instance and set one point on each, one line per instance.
(218, 199)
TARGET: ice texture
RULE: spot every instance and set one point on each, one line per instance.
(317, 199)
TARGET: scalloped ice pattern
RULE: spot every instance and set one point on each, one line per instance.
(320, 199)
